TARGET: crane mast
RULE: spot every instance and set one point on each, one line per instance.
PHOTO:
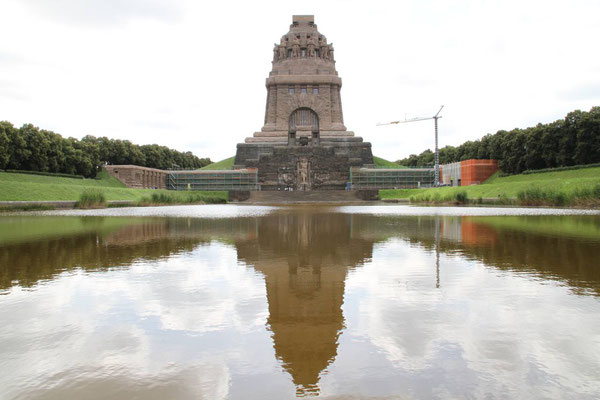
(437, 116)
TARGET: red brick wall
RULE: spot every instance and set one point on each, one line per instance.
(137, 177)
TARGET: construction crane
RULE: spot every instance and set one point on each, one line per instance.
(437, 154)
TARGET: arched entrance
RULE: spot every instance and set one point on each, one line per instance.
(303, 129)
(304, 119)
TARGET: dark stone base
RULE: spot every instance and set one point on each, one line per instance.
(303, 168)
(239, 195)
(368, 194)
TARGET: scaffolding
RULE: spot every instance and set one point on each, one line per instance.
(387, 178)
(239, 179)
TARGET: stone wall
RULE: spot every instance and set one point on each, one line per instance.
(137, 177)
(322, 167)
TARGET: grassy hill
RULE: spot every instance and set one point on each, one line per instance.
(567, 182)
(25, 187)
(223, 164)
(381, 163)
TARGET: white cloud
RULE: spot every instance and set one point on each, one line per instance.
(433, 338)
(191, 75)
(105, 12)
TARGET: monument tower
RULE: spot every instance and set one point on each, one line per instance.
(303, 144)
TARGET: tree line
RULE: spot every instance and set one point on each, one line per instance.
(574, 140)
(32, 149)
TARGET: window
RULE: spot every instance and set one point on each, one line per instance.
(291, 90)
(303, 51)
(316, 90)
(303, 90)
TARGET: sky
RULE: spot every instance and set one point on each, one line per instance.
(191, 75)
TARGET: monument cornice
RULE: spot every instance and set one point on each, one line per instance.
(303, 80)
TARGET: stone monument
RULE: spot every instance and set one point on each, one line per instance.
(303, 144)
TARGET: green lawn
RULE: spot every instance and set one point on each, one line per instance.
(509, 186)
(24, 187)
(223, 164)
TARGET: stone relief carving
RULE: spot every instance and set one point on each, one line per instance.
(303, 181)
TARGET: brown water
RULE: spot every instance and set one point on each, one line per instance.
(258, 303)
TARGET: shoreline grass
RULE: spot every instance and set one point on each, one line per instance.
(573, 188)
(172, 198)
(91, 198)
(27, 207)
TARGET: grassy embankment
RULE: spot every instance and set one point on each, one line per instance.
(382, 163)
(25, 187)
(223, 164)
(580, 187)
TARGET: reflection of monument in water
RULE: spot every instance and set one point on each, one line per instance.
(305, 258)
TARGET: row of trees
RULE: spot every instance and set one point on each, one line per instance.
(574, 140)
(32, 149)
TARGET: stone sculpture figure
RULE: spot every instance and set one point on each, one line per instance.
(303, 40)
(323, 47)
(295, 47)
(282, 49)
(330, 52)
(275, 52)
(311, 47)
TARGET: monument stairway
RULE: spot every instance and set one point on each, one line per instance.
(297, 197)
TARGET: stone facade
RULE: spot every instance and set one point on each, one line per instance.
(303, 144)
(136, 177)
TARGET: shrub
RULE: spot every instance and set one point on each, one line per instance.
(504, 200)
(461, 197)
(91, 198)
(536, 197)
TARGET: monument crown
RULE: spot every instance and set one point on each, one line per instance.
(303, 41)
(303, 20)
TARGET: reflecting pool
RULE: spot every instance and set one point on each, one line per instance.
(266, 302)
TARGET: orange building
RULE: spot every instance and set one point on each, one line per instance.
(468, 172)
(474, 172)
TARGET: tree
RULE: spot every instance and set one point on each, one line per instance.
(569, 141)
